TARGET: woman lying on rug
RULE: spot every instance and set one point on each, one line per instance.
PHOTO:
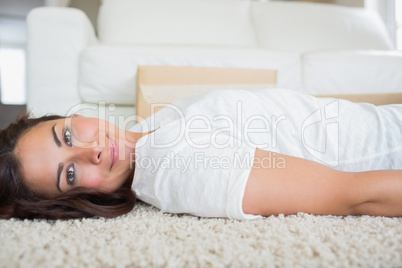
(232, 153)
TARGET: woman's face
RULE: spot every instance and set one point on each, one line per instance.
(63, 154)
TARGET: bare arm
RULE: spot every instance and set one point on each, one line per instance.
(290, 185)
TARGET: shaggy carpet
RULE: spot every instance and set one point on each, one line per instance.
(147, 237)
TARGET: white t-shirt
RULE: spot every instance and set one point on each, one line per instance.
(199, 158)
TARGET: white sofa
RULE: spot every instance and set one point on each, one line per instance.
(316, 48)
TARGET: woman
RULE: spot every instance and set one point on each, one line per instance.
(231, 153)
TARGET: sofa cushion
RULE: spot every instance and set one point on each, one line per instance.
(179, 22)
(108, 73)
(349, 72)
(303, 27)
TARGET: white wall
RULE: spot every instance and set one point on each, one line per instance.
(12, 21)
(90, 7)
(352, 3)
(57, 3)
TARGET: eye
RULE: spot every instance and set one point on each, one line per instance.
(70, 174)
(67, 137)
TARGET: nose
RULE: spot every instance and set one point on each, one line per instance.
(92, 155)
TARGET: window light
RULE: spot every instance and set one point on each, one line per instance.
(12, 75)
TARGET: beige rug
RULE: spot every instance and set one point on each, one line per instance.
(148, 238)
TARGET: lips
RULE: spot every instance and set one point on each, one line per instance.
(114, 152)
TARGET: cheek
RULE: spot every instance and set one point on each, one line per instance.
(91, 181)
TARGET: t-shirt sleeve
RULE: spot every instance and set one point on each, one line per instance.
(205, 175)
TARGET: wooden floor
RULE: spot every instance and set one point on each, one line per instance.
(8, 113)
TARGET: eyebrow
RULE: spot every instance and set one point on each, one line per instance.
(60, 168)
(56, 139)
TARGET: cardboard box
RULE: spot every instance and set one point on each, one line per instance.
(374, 98)
(163, 85)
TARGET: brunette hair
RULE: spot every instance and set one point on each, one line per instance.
(18, 201)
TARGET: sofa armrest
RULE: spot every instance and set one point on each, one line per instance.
(56, 36)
